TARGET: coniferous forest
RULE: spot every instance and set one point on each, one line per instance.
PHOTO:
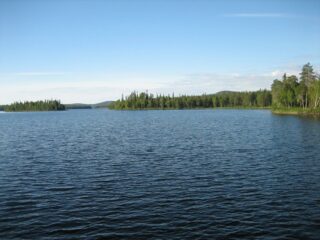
(47, 105)
(303, 93)
(144, 100)
(290, 93)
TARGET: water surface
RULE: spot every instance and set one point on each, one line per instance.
(188, 174)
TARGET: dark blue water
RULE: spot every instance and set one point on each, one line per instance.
(202, 174)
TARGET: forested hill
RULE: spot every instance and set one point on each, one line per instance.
(47, 105)
(144, 100)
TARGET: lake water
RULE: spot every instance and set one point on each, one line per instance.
(189, 174)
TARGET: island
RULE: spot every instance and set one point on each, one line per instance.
(29, 106)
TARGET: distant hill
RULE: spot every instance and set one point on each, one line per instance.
(224, 92)
(102, 104)
(78, 106)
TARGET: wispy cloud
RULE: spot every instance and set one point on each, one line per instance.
(70, 91)
(38, 73)
(258, 15)
(82, 87)
(86, 90)
(214, 82)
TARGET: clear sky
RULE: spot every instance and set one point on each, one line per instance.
(95, 50)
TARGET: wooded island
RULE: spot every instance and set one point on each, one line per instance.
(47, 105)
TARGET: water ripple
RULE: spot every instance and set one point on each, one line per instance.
(205, 174)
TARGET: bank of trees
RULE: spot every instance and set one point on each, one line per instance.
(293, 92)
(289, 92)
(144, 100)
(47, 105)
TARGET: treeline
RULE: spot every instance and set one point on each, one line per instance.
(289, 93)
(77, 106)
(47, 105)
(144, 100)
(293, 92)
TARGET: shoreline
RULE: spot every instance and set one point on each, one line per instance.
(216, 108)
(297, 112)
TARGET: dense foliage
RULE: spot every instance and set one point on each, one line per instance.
(290, 92)
(135, 100)
(47, 105)
(78, 106)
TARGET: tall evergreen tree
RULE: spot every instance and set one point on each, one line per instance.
(293, 93)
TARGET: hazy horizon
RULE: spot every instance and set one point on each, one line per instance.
(94, 51)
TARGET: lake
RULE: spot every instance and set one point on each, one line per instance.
(184, 174)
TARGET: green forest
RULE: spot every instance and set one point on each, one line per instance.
(290, 93)
(293, 93)
(135, 100)
(47, 105)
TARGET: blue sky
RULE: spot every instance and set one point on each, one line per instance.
(91, 51)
